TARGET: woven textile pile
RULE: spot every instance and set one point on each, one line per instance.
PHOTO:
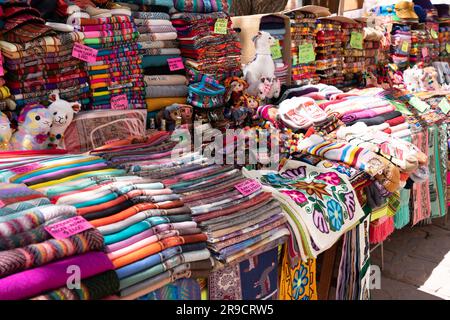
(117, 70)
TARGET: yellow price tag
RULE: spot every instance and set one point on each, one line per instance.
(434, 34)
(221, 26)
(306, 53)
(447, 47)
(405, 46)
(356, 40)
(275, 50)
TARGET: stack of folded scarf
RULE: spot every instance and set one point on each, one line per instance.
(275, 25)
(117, 70)
(373, 54)
(420, 46)
(158, 45)
(353, 53)
(303, 31)
(208, 50)
(6, 103)
(33, 263)
(400, 45)
(38, 67)
(329, 52)
(444, 40)
(433, 40)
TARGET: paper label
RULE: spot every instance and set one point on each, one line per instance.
(425, 52)
(405, 46)
(68, 227)
(175, 64)
(420, 105)
(444, 105)
(119, 102)
(434, 34)
(85, 53)
(447, 47)
(248, 187)
(306, 53)
(25, 168)
(356, 40)
(275, 50)
(221, 26)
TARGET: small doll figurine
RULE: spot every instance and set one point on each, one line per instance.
(235, 89)
(35, 123)
(175, 116)
(5, 132)
(250, 103)
(63, 113)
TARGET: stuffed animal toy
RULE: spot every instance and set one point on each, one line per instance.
(260, 73)
(35, 122)
(429, 80)
(5, 132)
(175, 116)
(235, 89)
(411, 77)
(63, 113)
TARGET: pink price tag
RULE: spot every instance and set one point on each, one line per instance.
(119, 102)
(85, 53)
(25, 168)
(68, 227)
(175, 64)
(248, 187)
(425, 52)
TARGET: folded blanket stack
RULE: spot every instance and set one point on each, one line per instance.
(420, 46)
(117, 73)
(433, 40)
(6, 103)
(303, 31)
(38, 67)
(444, 41)
(329, 59)
(400, 45)
(207, 48)
(32, 262)
(158, 45)
(353, 54)
(276, 27)
(237, 223)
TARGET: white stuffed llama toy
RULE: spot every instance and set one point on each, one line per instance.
(260, 73)
(35, 122)
(63, 113)
(5, 132)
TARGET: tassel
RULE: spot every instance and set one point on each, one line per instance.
(402, 216)
(381, 229)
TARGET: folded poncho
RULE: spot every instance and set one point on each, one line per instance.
(166, 91)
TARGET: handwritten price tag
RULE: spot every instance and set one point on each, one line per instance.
(306, 53)
(175, 64)
(444, 105)
(405, 47)
(275, 50)
(356, 40)
(68, 227)
(420, 105)
(434, 34)
(119, 102)
(221, 26)
(425, 52)
(85, 53)
(248, 187)
(447, 47)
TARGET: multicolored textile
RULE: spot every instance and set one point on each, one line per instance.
(297, 282)
(252, 279)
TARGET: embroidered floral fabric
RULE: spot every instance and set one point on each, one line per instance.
(320, 204)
